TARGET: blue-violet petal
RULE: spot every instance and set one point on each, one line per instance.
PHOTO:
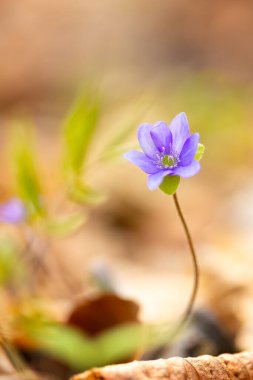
(142, 161)
(155, 180)
(180, 131)
(162, 137)
(189, 150)
(146, 141)
(187, 171)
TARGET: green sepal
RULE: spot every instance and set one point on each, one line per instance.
(200, 152)
(170, 184)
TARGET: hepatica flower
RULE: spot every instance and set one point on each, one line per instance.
(169, 152)
(12, 211)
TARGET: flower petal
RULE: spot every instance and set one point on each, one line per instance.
(189, 150)
(180, 131)
(146, 141)
(187, 171)
(155, 180)
(142, 161)
(162, 137)
(12, 211)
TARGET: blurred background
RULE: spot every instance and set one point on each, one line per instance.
(139, 61)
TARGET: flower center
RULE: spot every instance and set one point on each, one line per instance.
(168, 161)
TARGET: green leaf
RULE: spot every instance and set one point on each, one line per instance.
(77, 349)
(80, 351)
(79, 130)
(170, 184)
(27, 177)
(62, 342)
(122, 341)
(117, 145)
(65, 225)
(11, 269)
(200, 152)
(83, 194)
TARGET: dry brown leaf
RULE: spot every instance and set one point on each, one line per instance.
(102, 312)
(206, 367)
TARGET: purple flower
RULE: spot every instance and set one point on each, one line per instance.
(167, 150)
(12, 211)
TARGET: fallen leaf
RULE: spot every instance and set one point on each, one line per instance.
(206, 367)
(103, 312)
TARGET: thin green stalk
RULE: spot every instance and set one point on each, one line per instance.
(189, 308)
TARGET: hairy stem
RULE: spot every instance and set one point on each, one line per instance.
(189, 308)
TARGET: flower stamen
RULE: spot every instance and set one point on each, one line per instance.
(169, 161)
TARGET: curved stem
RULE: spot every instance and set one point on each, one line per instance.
(189, 308)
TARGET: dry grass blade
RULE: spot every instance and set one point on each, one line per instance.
(223, 367)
